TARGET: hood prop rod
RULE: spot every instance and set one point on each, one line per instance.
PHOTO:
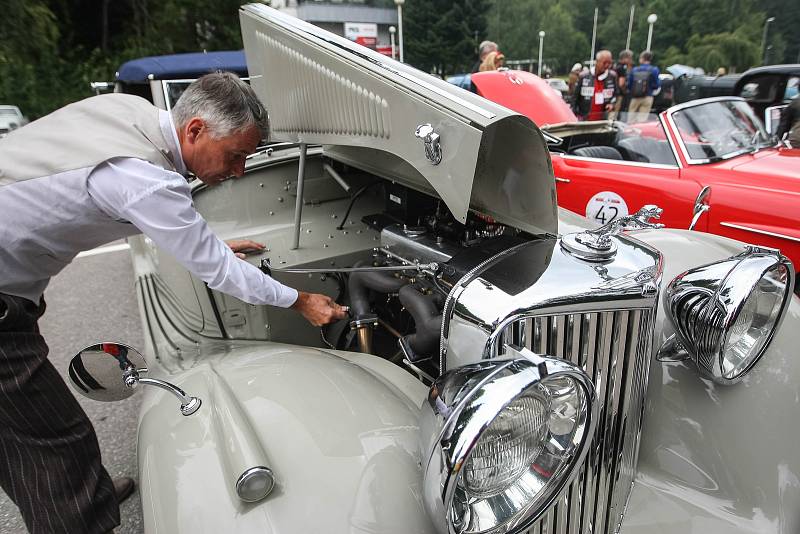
(267, 268)
(298, 207)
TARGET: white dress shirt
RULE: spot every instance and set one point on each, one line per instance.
(159, 203)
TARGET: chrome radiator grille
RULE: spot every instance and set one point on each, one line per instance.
(613, 348)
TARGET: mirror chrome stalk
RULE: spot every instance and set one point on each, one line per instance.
(189, 405)
(109, 372)
(700, 206)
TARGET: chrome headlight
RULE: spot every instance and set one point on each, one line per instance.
(726, 313)
(504, 437)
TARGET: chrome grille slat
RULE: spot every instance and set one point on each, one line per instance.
(612, 347)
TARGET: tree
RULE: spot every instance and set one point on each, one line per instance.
(441, 35)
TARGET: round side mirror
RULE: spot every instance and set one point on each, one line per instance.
(110, 372)
(99, 371)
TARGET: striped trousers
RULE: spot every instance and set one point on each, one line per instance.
(49, 456)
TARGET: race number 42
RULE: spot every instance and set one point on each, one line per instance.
(606, 206)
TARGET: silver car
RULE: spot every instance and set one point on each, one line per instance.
(11, 118)
(507, 367)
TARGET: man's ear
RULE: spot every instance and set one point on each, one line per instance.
(194, 128)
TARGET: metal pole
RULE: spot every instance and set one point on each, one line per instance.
(541, 43)
(594, 34)
(391, 39)
(764, 40)
(298, 207)
(649, 36)
(400, 30)
(630, 28)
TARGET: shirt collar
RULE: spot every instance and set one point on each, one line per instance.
(171, 137)
(603, 76)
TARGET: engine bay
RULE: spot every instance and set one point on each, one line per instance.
(396, 292)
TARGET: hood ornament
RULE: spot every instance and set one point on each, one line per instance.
(596, 245)
(433, 150)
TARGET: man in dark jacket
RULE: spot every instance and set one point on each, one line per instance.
(622, 67)
(596, 91)
(790, 123)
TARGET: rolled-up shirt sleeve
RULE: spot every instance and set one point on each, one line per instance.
(159, 204)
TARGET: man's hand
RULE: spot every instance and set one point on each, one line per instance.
(242, 247)
(318, 309)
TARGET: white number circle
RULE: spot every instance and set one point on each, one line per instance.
(606, 206)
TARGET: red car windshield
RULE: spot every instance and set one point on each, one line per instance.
(719, 130)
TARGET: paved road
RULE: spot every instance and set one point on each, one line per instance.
(94, 300)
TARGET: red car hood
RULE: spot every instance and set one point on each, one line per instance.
(773, 168)
(524, 93)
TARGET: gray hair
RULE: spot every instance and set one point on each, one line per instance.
(603, 53)
(486, 46)
(647, 55)
(226, 104)
(625, 54)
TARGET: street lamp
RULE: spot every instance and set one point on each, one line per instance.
(392, 31)
(764, 40)
(541, 42)
(651, 19)
(399, 4)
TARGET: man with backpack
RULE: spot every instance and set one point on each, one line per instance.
(643, 84)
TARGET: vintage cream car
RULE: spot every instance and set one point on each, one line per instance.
(507, 366)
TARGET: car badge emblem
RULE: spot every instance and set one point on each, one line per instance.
(596, 245)
(433, 150)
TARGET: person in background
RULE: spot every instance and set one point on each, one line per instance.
(622, 67)
(492, 61)
(574, 74)
(643, 84)
(790, 123)
(484, 49)
(596, 91)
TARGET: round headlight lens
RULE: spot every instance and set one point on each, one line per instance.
(523, 458)
(750, 332)
(515, 436)
(727, 312)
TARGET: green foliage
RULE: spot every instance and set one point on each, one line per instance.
(51, 49)
(441, 36)
(729, 31)
(734, 51)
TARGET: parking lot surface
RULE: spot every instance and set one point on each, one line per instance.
(94, 300)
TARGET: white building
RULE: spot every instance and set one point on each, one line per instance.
(364, 21)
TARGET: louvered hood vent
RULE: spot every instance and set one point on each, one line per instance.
(390, 119)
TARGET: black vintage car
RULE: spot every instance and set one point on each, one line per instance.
(769, 89)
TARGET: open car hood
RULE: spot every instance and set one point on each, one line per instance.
(365, 109)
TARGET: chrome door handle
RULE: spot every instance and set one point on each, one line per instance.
(562, 180)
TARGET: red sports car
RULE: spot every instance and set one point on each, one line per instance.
(708, 163)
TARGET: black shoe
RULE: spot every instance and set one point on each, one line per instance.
(123, 488)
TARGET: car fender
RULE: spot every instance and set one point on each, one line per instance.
(338, 430)
(718, 459)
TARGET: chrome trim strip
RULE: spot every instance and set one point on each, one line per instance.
(702, 101)
(757, 231)
(622, 162)
(613, 348)
(671, 144)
